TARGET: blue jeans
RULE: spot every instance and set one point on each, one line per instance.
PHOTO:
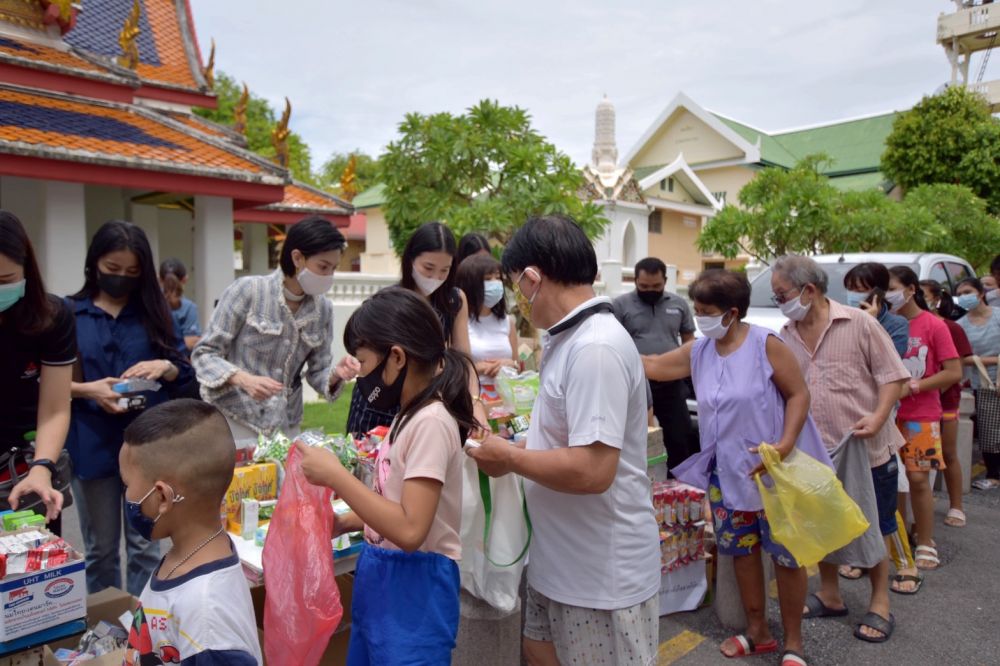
(101, 506)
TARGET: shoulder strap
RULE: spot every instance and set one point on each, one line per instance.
(581, 316)
(484, 492)
(984, 374)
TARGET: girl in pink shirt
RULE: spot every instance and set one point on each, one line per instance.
(406, 591)
(934, 366)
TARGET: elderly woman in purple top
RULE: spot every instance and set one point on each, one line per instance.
(750, 390)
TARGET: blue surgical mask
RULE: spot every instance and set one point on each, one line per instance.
(11, 294)
(139, 521)
(967, 301)
(856, 298)
(492, 293)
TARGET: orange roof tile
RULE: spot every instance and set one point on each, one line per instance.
(168, 52)
(66, 128)
(303, 197)
(32, 54)
(208, 127)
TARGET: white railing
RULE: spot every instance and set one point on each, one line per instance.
(356, 287)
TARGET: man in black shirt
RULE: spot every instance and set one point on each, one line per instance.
(658, 322)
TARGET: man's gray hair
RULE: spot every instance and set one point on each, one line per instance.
(800, 271)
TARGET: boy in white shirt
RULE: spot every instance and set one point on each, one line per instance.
(176, 463)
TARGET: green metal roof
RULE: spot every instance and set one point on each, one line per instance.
(862, 181)
(853, 145)
(373, 197)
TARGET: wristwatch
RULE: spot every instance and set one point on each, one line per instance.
(43, 462)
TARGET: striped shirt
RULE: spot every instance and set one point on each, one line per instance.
(852, 360)
(253, 330)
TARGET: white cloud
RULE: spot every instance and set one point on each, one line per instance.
(353, 70)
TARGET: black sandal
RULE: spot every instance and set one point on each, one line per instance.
(818, 609)
(918, 582)
(878, 623)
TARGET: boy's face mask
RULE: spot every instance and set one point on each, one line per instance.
(139, 521)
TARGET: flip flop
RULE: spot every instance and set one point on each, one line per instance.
(926, 554)
(818, 609)
(918, 582)
(849, 575)
(747, 647)
(793, 658)
(955, 518)
(878, 623)
(986, 484)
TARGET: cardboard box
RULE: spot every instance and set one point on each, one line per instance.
(32, 602)
(107, 606)
(258, 482)
(336, 650)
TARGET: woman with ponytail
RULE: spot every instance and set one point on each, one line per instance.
(407, 577)
(934, 367)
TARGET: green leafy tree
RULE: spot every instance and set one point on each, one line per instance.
(261, 119)
(366, 169)
(947, 138)
(486, 170)
(784, 211)
(869, 221)
(959, 223)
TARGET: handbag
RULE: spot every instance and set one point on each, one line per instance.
(14, 467)
(496, 533)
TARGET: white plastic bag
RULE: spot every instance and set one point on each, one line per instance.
(496, 532)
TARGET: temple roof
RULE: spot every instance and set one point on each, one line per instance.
(168, 49)
(304, 200)
(35, 123)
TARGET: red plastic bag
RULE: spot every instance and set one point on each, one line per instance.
(302, 607)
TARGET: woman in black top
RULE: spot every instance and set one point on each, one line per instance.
(38, 339)
(429, 265)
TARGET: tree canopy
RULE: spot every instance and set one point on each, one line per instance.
(950, 137)
(485, 170)
(799, 211)
(261, 119)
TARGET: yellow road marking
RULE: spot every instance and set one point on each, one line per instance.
(678, 646)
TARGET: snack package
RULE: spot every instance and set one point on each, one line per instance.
(518, 390)
(259, 482)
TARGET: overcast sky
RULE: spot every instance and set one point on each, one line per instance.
(352, 70)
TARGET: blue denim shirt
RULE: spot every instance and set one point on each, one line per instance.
(107, 348)
(898, 329)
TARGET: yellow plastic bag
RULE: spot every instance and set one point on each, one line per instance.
(806, 506)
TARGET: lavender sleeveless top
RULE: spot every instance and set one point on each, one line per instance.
(739, 406)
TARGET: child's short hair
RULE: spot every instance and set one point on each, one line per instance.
(187, 442)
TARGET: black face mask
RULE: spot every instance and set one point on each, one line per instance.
(650, 297)
(377, 394)
(117, 286)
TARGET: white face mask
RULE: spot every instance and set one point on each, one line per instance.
(712, 326)
(312, 284)
(492, 293)
(896, 299)
(993, 296)
(794, 309)
(426, 285)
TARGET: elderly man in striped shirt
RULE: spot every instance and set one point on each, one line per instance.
(855, 378)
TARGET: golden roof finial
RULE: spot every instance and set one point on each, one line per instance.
(127, 38)
(209, 70)
(348, 179)
(240, 112)
(280, 134)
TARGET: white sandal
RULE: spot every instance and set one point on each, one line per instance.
(957, 518)
(926, 554)
(986, 484)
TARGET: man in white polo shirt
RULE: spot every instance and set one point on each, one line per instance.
(594, 563)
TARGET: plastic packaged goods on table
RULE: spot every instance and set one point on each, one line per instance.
(678, 510)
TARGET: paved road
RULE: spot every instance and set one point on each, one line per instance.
(953, 620)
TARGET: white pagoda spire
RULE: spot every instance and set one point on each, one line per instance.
(605, 155)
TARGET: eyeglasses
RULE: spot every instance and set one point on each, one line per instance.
(781, 297)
